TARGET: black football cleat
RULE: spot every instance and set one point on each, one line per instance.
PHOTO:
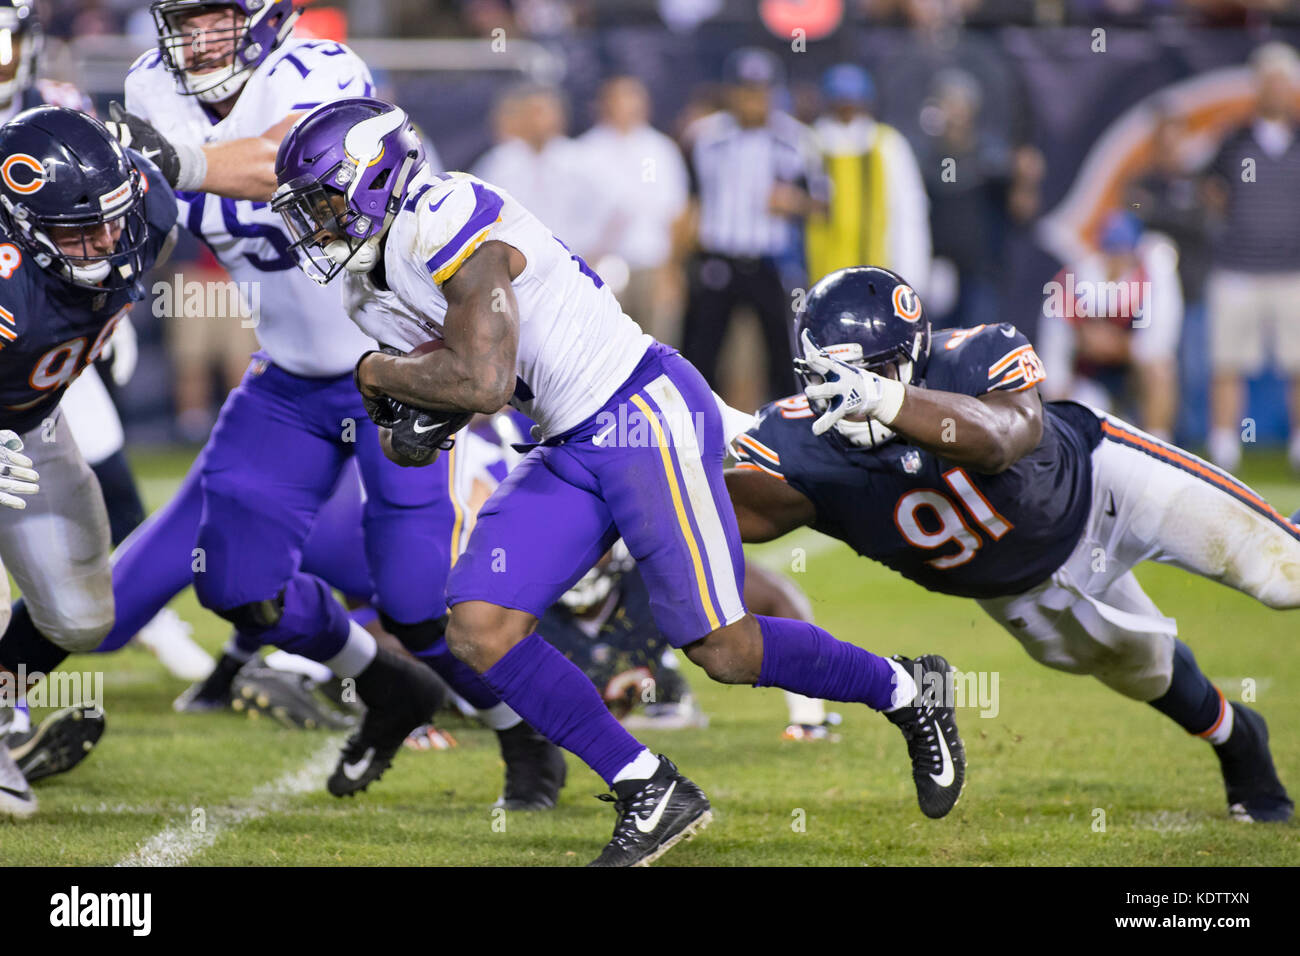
(653, 816)
(285, 697)
(1255, 794)
(535, 769)
(930, 727)
(214, 692)
(400, 693)
(60, 742)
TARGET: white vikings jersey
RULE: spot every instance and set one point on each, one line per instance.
(300, 324)
(576, 346)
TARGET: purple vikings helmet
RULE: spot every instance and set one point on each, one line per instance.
(215, 63)
(343, 170)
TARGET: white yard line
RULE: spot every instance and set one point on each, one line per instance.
(176, 845)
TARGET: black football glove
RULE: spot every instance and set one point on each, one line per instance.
(135, 132)
(421, 434)
(383, 411)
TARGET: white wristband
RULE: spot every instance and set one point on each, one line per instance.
(192, 166)
(892, 392)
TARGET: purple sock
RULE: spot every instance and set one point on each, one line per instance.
(803, 658)
(555, 698)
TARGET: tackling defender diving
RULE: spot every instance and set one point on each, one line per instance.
(936, 457)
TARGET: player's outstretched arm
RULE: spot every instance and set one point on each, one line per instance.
(989, 433)
(766, 507)
(476, 371)
(238, 168)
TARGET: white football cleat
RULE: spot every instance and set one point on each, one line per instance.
(167, 637)
(16, 797)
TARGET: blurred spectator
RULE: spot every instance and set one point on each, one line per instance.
(979, 186)
(1169, 199)
(544, 169)
(754, 174)
(1111, 326)
(878, 213)
(208, 354)
(1254, 287)
(647, 181)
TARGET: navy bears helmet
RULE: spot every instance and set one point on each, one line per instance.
(868, 317)
(62, 170)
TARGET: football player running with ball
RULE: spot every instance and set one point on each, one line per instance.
(630, 443)
(81, 222)
(937, 458)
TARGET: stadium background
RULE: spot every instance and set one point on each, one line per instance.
(1043, 84)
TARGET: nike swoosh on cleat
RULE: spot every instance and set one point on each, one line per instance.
(355, 771)
(415, 427)
(647, 824)
(945, 778)
(20, 794)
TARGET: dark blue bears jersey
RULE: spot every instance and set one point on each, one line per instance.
(944, 526)
(50, 330)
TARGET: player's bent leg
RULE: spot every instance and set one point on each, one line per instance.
(57, 548)
(663, 484)
(1117, 634)
(1237, 537)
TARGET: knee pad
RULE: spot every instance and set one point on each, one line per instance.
(255, 617)
(416, 637)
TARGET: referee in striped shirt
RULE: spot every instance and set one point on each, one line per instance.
(755, 175)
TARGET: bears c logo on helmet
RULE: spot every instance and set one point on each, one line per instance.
(34, 177)
(907, 304)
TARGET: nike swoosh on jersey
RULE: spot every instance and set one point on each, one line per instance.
(433, 206)
(647, 824)
(354, 771)
(949, 773)
(600, 439)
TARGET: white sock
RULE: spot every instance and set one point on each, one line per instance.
(1225, 448)
(1221, 733)
(499, 717)
(805, 710)
(904, 687)
(356, 654)
(234, 650)
(642, 768)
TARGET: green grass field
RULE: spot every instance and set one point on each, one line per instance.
(226, 790)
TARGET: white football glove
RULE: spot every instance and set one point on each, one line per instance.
(123, 351)
(857, 389)
(17, 477)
